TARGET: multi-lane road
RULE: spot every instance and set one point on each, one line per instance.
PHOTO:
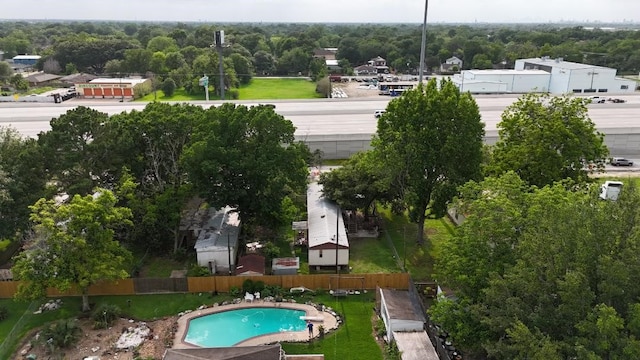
(339, 118)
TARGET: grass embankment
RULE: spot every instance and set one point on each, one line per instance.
(258, 89)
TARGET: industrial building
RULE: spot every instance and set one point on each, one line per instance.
(109, 88)
(29, 60)
(542, 75)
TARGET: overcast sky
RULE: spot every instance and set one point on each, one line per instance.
(351, 11)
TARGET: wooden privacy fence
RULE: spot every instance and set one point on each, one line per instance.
(224, 284)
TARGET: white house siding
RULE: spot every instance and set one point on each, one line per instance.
(325, 223)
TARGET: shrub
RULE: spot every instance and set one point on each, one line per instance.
(60, 335)
(234, 291)
(168, 87)
(4, 312)
(104, 315)
(248, 286)
(198, 271)
(391, 351)
(234, 94)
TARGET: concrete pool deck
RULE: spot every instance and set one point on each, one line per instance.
(324, 318)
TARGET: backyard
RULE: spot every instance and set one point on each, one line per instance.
(160, 311)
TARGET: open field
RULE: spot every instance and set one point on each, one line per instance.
(278, 88)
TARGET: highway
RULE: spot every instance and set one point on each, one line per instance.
(338, 118)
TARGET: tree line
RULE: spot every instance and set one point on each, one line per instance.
(181, 51)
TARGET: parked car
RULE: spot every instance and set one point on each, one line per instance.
(598, 100)
(378, 113)
(616, 100)
(618, 161)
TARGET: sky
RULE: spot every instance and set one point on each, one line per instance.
(327, 11)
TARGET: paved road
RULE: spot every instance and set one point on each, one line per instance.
(317, 117)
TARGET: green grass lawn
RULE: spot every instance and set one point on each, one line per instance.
(258, 89)
(353, 340)
(157, 267)
(371, 256)
(419, 258)
(280, 88)
(178, 95)
(354, 335)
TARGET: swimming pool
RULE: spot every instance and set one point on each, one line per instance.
(228, 328)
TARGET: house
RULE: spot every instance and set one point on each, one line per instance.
(405, 324)
(325, 53)
(327, 236)
(380, 64)
(216, 234)
(285, 266)
(77, 78)
(262, 352)
(251, 265)
(41, 79)
(452, 64)
(365, 70)
(267, 352)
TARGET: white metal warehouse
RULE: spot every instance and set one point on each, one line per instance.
(542, 75)
(577, 78)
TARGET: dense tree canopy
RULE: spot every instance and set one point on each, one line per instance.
(546, 139)
(430, 140)
(246, 158)
(556, 264)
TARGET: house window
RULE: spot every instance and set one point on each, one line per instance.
(589, 90)
(624, 87)
(320, 252)
(577, 91)
(603, 90)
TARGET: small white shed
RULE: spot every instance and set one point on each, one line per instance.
(327, 234)
(217, 241)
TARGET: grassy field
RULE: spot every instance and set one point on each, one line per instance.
(258, 89)
(178, 95)
(278, 88)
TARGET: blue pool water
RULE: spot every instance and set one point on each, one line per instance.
(228, 328)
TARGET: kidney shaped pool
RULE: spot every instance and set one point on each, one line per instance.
(230, 327)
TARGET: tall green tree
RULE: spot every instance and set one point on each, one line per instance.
(430, 139)
(70, 149)
(75, 245)
(357, 184)
(548, 138)
(246, 158)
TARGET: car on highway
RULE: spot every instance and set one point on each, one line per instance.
(619, 161)
(378, 113)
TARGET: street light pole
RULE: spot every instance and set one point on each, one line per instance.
(424, 40)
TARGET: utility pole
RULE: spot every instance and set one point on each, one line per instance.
(219, 44)
(424, 40)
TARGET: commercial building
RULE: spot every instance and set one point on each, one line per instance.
(577, 78)
(109, 88)
(29, 60)
(543, 75)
